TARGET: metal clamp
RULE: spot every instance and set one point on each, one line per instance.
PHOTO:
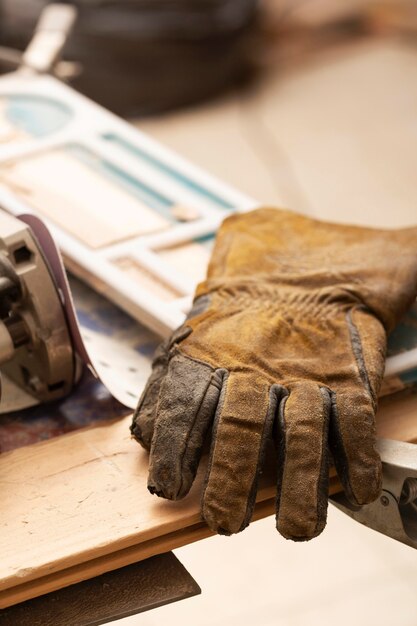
(395, 512)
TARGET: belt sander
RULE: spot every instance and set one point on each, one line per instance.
(36, 345)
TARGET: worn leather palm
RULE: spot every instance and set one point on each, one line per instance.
(286, 341)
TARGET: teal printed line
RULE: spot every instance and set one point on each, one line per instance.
(36, 115)
(149, 196)
(206, 240)
(167, 169)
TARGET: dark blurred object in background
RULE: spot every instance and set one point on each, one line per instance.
(146, 56)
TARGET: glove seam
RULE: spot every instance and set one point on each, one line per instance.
(177, 350)
(323, 481)
(356, 344)
(336, 436)
(214, 441)
(281, 452)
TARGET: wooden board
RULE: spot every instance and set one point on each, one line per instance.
(77, 506)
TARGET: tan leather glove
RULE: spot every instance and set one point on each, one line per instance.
(286, 340)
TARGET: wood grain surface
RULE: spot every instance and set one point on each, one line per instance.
(77, 506)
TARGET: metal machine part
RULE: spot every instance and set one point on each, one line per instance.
(42, 55)
(36, 350)
(51, 34)
(395, 512)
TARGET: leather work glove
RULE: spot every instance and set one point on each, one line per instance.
(286, 341)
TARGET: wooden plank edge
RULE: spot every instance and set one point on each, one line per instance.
(118, 559)
(126, 556)
(174, 539)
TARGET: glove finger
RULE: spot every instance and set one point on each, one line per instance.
(242, 426)
(352, 441)
(187, 403)
(143, 422)
(303, 461)
(368, 341)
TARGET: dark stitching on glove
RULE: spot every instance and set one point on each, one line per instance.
(214, 433)
(281, 450)
(356, 343)
(324, 465)
(340, 458)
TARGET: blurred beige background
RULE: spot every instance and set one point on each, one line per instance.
(348, 576)
(335, 137)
